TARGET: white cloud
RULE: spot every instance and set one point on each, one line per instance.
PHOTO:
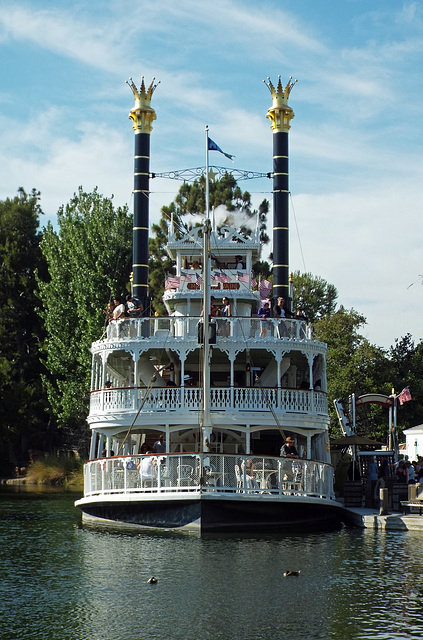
(355, 146)
(95, 43)
(366, 243)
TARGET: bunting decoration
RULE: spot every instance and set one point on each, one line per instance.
(265, 287)
(172, 283)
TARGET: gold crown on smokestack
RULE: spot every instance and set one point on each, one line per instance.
(280, 95)
(142, 114)
(280, 113)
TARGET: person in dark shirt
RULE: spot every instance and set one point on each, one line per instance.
(134, 307)
(159, 446)
(264, 314)
(289, 450)
(239, 263)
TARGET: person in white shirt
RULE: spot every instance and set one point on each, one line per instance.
(119, 310)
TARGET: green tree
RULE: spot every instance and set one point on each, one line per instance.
(23, 419)
(314, 295)
(262, 268)
(88, 259)
(353, 365)
(406, 366)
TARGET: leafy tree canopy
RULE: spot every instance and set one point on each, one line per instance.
(353, 364)
(406, 366)
(22, 404)
(89, 260)
(314, 295)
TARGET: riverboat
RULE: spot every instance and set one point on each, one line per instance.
(188, 412)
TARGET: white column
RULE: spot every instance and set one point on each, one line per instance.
(93, 444)
(310, 368)
(103, 375)
(247, 440)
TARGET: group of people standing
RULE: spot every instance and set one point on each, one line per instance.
(117, 310)
(409, 472)
(279, 311)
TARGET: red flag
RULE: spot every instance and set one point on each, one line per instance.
(404, 396)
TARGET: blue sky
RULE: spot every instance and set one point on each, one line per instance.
(356, 159)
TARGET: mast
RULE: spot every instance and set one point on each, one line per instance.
(280, 116)
(142, 116)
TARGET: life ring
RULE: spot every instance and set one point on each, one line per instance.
(380, 484)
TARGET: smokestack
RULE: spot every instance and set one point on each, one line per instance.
(142, 116)
(280, 115)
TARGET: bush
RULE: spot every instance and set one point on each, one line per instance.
(55, 470)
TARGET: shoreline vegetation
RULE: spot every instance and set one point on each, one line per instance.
(55, 471)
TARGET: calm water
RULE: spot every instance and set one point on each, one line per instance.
(61, 582)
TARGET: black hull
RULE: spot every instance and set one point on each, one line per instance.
(214, 516)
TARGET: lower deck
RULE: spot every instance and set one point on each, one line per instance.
(208, 492)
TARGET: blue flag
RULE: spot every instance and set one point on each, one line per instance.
(214, 147)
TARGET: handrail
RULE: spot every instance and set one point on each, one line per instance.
(208, 473)
(171, 399)
(186, 328)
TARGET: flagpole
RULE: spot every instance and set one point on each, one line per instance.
(207, 174)
(395, 442)
(206, 418)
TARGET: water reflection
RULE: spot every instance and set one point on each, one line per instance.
(63, 582)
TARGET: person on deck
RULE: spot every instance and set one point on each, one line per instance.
(119, 310)
(300, 315)
(280, 312)
(264, 314)
(159, 446)
(134, 307)
(213, 310)
(249, 474)
(147, 468)
(239, 264)
(110, 309)
(289, 450)
(225, 312)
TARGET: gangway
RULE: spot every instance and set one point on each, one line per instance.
(343, 421)
(388, 402)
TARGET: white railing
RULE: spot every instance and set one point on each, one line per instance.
(299, 401)
(186, 328)
(216, 473)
